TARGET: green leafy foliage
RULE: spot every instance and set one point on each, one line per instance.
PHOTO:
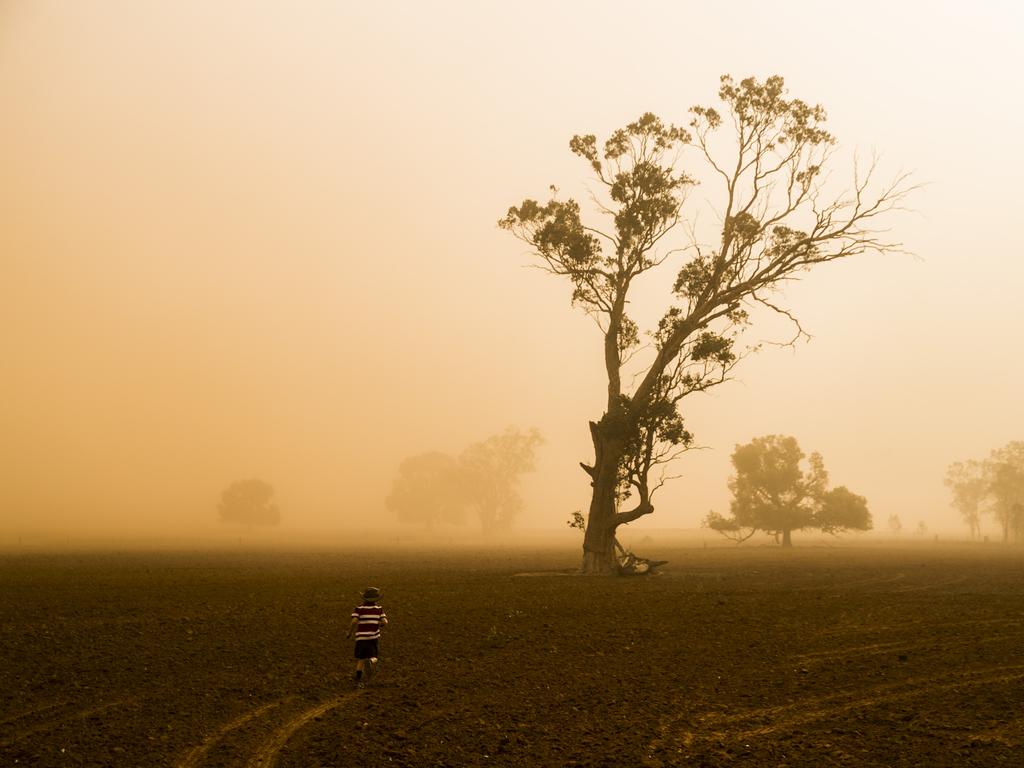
(843, 509)
(774, 490)
(576, 520)
(646, 191)
(556, 231)
(758, 105)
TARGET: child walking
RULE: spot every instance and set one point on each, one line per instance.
(367, 619)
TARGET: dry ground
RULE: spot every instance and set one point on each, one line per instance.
(746, 657)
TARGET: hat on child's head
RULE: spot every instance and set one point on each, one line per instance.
(371, 593)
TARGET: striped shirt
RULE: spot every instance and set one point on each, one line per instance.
(370, 618)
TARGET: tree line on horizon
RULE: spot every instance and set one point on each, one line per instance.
(994, 485)
(431, 488)
(483, 481)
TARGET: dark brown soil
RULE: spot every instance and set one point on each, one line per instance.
(746, 657)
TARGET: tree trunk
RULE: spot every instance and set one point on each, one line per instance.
(599, 538)
(599, 556)
(787, 540)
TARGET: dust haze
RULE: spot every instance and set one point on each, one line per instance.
(258, 241)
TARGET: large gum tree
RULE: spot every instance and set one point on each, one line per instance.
(767, 156)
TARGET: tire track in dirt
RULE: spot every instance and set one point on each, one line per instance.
(893, 646)
(919, 685)
(196, 754)
(714, 726)
(11, 719)
(847, 585)
(930, 585)
(845, 630)
(869, 649)
(53, 723)
(1010, 734)
(882, 581)
(873, 700)
(266, 755)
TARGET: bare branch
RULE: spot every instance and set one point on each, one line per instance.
(800, 332)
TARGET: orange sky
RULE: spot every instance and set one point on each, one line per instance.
(258, 239)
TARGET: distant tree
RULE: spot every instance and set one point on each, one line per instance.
(895, 524)
(768, 155)
(428, 491)
(842, 510)
(773, 493)
(490, 471)
(969, 485)
(1004, 471)
(922, 529)
(484, 480)
(249, 502)
(730, 527)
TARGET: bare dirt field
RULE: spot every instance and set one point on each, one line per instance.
(750, 657)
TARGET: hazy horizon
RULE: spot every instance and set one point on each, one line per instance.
(259, 240)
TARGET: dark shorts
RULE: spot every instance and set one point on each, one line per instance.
(366, 649)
